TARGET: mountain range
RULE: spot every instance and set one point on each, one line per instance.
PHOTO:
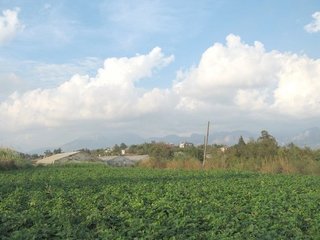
(308, 138)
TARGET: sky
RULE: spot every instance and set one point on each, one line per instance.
(71, 69)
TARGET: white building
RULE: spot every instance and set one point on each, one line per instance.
(185, 144)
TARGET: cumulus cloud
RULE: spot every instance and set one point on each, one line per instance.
(251, 79)
(314, 26)
(9, 24)
(235, 84)
(110, 95)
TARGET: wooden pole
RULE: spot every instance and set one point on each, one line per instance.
(205, 145)
(204, 151)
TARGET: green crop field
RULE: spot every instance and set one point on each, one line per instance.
(96, 202)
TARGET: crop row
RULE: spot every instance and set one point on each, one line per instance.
(96, 202)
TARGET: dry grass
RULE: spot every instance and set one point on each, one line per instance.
(279, 165)
(271, 165)
(190, 164)
(10, 159)
(173, 164)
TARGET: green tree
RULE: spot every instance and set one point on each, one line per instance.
(266, 136)
(195, 152)
(48, 153)
(241, 142)
(161, 151)
(240, 148)
(123, 146)
(116, 149)
(267, 145)
(56, 151)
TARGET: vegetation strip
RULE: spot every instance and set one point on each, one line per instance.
(97, 202)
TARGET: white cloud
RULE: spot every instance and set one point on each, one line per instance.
(9, 25)
(314, 26)
(236, 85)
(223, 71)
(248, 78)
(110, 95)
(298, 83)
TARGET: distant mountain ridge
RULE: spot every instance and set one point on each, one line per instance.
(101, 141)
(309, 138)
(227, 138)
(94, 142)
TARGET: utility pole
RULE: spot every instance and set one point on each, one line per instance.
(205, 145)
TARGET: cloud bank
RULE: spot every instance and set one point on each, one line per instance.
(314, 26)
(110, 95)
(233, 83)
(9, 25)
(252, 80)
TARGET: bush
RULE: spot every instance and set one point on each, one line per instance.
(10, 159)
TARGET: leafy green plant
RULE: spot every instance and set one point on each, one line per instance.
(96, 202)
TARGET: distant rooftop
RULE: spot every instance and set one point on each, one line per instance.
(55, 157)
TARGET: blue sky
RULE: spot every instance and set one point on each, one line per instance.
(52, 41)
(62, 32)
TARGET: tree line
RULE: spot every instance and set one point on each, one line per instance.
(263, 154)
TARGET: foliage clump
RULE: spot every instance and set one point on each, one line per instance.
(261, 155)
(96, 202)
(10, 159)
(265, 155)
